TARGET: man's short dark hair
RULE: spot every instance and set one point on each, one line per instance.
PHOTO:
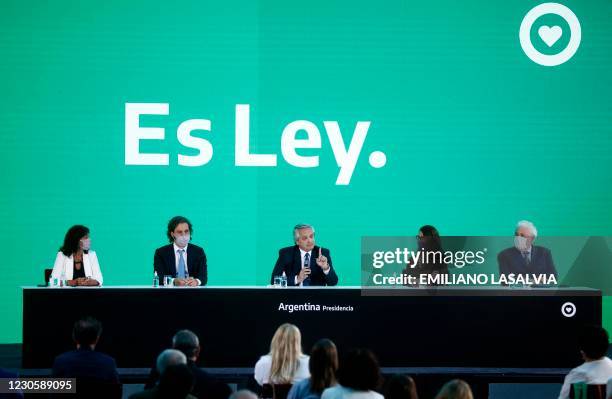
(86, 331)
(400, 386)
(594, 342)
(175, 221)
(187, 342)
(359, 370)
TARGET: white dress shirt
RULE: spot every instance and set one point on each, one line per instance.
(177, 256)
(263, 365)
(595, 372)
(302, 256)
(528, 253)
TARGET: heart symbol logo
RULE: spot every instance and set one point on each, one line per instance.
(568, 309)
(550, 34)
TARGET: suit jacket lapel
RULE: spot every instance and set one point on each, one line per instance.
(69, 267)
(297, 260)
(535, 254)
(314, 254)
(519, 260)
(171, 260)
(190, 260)
(86, 265)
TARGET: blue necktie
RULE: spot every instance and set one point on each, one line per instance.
(306, 281)
(181, 265)
(527, 258)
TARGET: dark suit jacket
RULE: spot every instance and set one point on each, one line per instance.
(511, 260)
(153, 393)
(86, 363)
(7, 374)
(290, 261)
(204, 386)
(164, 263)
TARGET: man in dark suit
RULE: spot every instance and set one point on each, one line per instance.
(184, 261)
(176, 381)
(298, 264)
(84, 362)
(12, 376)
(204, 385)
(524, 257)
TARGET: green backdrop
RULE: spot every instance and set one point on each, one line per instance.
(477, 136)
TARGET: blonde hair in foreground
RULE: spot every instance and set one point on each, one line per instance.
(285, 350)
(455, 389)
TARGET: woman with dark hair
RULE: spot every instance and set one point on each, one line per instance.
(358, 377)
(323, 365)
(400, 386)
(431, 261)
(75, 262)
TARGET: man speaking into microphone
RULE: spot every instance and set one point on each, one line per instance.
(304, 263)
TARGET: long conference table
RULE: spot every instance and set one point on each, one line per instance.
(408, 327)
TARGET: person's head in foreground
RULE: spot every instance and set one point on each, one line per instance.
(455, 389)
(188, 343)
(323, 365)
(86, 333)
(243, 394)
(594, 342)
(285, 351)
(359, 370)
(169, 357)
(400, 386)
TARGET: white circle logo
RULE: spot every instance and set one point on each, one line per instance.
(378, 159)
(550, 34)
(568, 309)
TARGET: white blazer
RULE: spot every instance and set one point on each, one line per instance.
(66, 264)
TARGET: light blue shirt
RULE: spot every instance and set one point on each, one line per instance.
(301, 390)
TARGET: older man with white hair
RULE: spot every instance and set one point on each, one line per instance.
(524, 258)
(176, 379)
(170, 357)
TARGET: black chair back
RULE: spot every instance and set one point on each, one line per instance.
(581, 390)
(91, 388)
(48, 275)
(280, 391)
(267, 392)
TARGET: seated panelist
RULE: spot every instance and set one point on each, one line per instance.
(304, 263)
(525, 258)
(75, 261)
(184, 261)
